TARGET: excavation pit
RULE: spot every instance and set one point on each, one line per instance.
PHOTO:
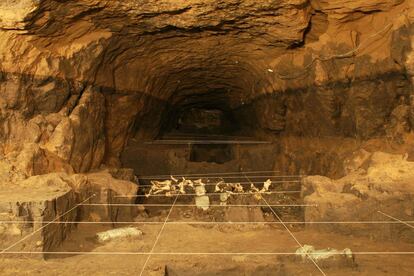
(254, 233)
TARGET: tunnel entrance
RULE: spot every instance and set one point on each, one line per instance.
(199, 131)
(207, 130)
(203, 121)
(219, 154)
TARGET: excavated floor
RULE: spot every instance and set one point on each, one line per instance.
(248, 236)
(192, 243)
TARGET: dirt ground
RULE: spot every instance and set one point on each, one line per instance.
(234, 240)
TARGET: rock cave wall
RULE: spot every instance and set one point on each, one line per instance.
(78, 79)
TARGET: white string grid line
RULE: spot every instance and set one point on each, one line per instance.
(207, 174)
(255, 182)
(222, 177)
(44, 226)
(293, 236)
(192, 194)
(194, 205)
(290, 233)
(192, 135)
(203, 253)
(214, 184)
(203, 142)
(203, 222)
(240, 182)
(158, 237)
(396, 219)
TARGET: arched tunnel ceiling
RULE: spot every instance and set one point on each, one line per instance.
(163, 47)
(152, 45)
(272, 60)
(202, 46)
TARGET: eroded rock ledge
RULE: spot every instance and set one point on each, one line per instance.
(39, 212)
(377, 186)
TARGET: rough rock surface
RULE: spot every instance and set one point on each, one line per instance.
(78, 79)
(27, 205)
(110, 190)
(381, 183)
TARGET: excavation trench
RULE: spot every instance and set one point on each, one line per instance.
(324, 176)
(235, 227)
(207, 140)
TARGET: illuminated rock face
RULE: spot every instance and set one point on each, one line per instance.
(39, 206)
(79, 78)
(377, 184)
(15, 13)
